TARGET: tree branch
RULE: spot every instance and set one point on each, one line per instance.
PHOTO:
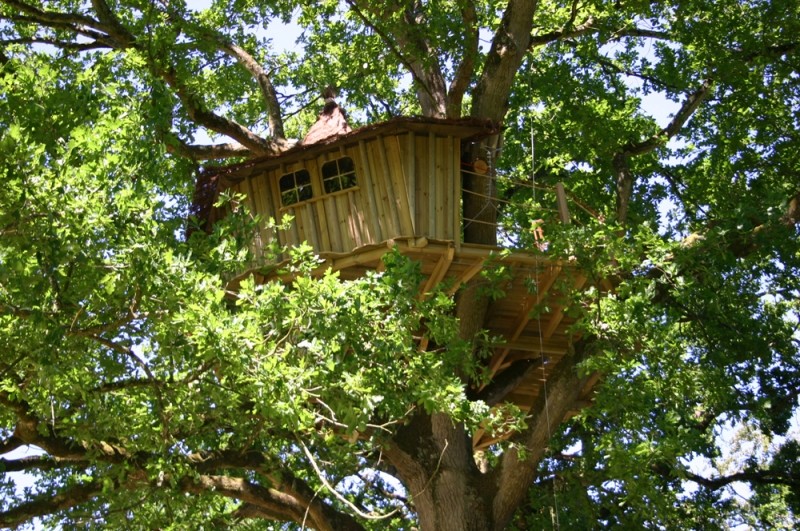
(265, 84)
(282, 480)
(509, 44)
(276, 504)
(425, 60)
(690, 105)
(431, 98)
(200, 152)
(10, 444)
(463, 72)
(29, 430)
(44, 505)
(129, 353)
(64, 45)
(566, 32)
(40, 462)
(115, 35)
(624, 184)
(84, 31)
(515, 473)
(335, 493)
(758, 477)
(196, 111)
(607, 63)
(641, 32)
(120, 385)
(110, 21)
(775, 51)
(269, 503)
(792, 215)
(52, 17)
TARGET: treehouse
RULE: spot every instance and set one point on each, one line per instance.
(355, 195)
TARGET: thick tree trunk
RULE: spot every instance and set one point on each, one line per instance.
(433, 457)
(479, 205)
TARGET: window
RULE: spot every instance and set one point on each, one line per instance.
(338, 174)
(295, 187)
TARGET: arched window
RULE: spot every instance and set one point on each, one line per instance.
(295, 187)
(338, 174)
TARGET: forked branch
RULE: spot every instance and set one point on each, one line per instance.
(466, 67)
(622, 173)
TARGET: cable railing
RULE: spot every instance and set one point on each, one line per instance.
(523, 223)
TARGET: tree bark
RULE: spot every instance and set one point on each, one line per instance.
(433, 457)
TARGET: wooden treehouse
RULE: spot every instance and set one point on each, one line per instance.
(356, 195)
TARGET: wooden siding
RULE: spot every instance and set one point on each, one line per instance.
(407, 185)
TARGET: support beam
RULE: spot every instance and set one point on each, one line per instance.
(524, 317)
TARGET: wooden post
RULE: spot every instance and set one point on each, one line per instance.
(563, 211)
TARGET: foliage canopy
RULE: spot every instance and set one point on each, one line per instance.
(157, 398)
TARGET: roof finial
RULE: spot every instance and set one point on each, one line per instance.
(332, 120)
(329, 95)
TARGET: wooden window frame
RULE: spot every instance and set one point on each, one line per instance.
(343, 175)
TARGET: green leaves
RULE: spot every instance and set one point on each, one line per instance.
(152, 361)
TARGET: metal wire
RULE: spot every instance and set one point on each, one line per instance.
(554, 514)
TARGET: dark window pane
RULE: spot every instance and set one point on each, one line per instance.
(289, 198)
(338, 175)
(287, 182)
(349, 180)
(332, 185)
(346, 165)
(295, 187)
(329, 170)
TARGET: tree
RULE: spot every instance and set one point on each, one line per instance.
(159, 399)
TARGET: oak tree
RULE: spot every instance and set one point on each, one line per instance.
(154, 397)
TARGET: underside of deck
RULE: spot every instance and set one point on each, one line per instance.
(529, 320)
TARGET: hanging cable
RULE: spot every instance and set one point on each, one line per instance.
(554, 519)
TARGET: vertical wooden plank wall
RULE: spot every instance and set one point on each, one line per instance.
(442, 188)
(261, 237)
(433, 229)
(360, 229)
(383, 179)
(394, 171)
(323, 219)
(292, 233)
(407, 185)
(408, 154)
(422, 190)
(326, 210)
(378, 220)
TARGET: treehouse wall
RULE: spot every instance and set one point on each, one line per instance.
(405, 185)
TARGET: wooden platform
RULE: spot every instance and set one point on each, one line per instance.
(530, 320)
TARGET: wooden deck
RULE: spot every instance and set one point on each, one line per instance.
(530, 321)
